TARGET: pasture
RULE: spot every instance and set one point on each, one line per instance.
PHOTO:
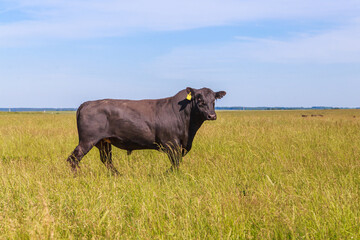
(249, 175)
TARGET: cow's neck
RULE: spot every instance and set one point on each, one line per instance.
(189, 116)
(194, 123)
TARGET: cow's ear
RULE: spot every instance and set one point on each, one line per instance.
(190, 90)
(190, 93)
(220, 94)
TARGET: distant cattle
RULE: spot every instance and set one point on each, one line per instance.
(167, 124)
(313, 115)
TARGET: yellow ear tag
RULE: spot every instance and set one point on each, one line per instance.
(188, 97)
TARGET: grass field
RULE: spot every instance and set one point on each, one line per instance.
(250, 175)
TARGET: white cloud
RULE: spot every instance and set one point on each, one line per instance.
(333, 46)
(212, 61)
(82, 19)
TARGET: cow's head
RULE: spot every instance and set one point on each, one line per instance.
(204, 100)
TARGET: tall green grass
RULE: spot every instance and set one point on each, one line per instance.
(250, 175)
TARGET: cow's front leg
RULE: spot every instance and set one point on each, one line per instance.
(175, 154)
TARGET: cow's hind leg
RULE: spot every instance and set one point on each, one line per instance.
(106, 155)
(79, 152)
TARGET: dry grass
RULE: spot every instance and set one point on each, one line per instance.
(250, 175)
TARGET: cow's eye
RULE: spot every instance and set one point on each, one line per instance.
(201, 104)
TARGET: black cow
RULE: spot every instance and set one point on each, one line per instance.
(167, 124)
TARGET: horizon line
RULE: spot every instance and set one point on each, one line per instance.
(63, 109)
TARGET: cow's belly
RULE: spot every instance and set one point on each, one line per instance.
(132, 144)
(131, 134)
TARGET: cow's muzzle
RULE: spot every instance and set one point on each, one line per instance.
(211, 116)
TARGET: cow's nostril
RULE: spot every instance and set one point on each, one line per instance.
(211, 117)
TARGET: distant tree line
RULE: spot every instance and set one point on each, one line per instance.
(280, 108)
(36, 109)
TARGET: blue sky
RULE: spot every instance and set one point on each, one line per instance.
(59, 53)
